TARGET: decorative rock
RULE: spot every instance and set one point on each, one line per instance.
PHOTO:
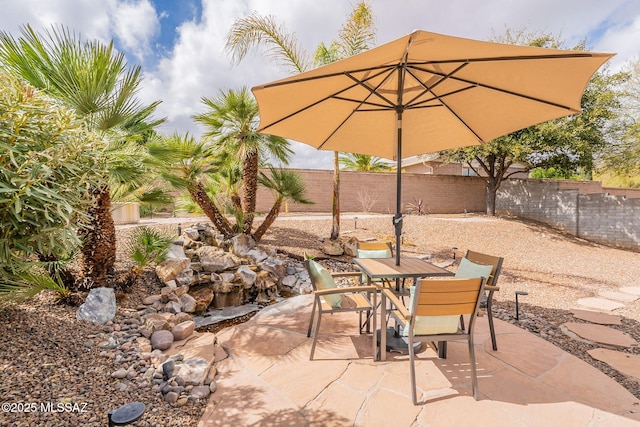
(257, 255)
(289, 281)
(247, 275)
(168, 368)
(121, 387)
(213, 387)
(185, 278)
(192, 234)
(161, 340)
(274, 265)
(144, 344)
(203, 296)
(120, 373)
(188, 303)
(200, 392)
(332, 248)
(242, 244)
(99, 307)
(171, 267)
(151, 299)
(193, 371)
(171, 397)
(173, 307)
(183, 330)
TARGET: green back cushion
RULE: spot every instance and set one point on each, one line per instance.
(373, 253)
(323, 280)
(471, 270)
(426, 325)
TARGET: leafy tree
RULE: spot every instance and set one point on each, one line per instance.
(623, 156)
(569, 144)
(47, 169)
(95, 81)
(256, 31)
(363, 163)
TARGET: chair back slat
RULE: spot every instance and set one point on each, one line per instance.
(375, 246)
(484, 259)
(447, 297)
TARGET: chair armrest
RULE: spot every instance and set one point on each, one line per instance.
(492, 288)
(344, 290)
(397, 303)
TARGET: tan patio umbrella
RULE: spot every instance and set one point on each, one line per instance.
(425, 92)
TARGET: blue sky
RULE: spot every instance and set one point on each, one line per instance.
(179, 43)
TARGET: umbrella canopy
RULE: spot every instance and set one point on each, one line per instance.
(425, 92)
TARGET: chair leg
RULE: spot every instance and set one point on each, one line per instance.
(474, 374)
(313, 312)
(412, 370)
(315, 334)
(490, 315)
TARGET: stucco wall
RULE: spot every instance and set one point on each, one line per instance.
(376, 192)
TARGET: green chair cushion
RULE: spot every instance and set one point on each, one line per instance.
(471, 270)
(427, 325)
(373, 253)
(323, 280)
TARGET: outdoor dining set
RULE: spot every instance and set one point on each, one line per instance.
(427, 303)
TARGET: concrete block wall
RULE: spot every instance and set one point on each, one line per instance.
(598, 217)
(376, 192)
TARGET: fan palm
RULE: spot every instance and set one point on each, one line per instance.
(286, 185)
(363, 163)
(94, 80)
(231, 120)
(262, 32)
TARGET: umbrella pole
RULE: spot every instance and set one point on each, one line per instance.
(397, 219)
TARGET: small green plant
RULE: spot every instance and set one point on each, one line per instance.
(27, 280)
(147, 245)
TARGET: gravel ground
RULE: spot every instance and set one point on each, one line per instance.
(51, 362)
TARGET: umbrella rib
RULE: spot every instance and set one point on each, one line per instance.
(508, 58)
(371, 92)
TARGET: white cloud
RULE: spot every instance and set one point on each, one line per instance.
(135, 24)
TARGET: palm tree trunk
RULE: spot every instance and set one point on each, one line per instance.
(99, 248)
(268, 220)
(250, 182)
(335, 205)
(209, 208)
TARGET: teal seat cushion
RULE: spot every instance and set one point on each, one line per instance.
(471, 270)
(427, 325)
(323, 280)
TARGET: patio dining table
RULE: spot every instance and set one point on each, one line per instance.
(386, 270)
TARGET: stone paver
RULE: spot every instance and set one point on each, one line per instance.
(619, 296)
(628, 364)
(268, 381)
(600, 303)
(633, 290)
(597, 317)
(601, 334)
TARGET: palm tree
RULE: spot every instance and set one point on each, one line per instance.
(356, 35)
(232, 120)
(95, 81)
(363, 163)
(187, 163)
(286, 185)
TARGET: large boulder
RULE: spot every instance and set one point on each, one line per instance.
(215, 260)
(99, 307)
(242, 244)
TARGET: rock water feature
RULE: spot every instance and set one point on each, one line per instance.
(207, 280)
(203, 271)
